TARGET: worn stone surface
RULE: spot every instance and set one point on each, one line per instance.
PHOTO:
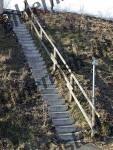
(57, 109)
(63, 121)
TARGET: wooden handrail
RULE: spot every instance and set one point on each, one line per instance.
(68, 84)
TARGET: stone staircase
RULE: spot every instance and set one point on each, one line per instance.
(58, 111)
(65, 127)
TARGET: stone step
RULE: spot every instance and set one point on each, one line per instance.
(26, 41)
(49, 90)
(22, 29)
(25, 38)
(49, 87)
(29, 57)
(53, 103)
(58, 108)
(42, 66)
(33, 55)
(20, 24)
(29, 50)
(39, 71)
(42, 86)
(22, 32)
(29, 45)
(45, 79)
(36, 58)
(39, 68)
(39, 74)
(50, 94)
(69, 136)
(36, 63)
(58, 115)
(36, 77)
(66, 129)
(39, 78)
(19, 28)
(20, 37)
(63, 122)
(51, 97)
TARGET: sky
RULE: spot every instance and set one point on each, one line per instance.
(101, 8)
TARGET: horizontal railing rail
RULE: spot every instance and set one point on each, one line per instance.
(54, 57)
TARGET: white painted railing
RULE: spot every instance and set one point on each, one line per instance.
(55, 56)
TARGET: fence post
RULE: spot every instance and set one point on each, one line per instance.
(41, 34)
(71, 82)
(94, 63)
(54, 64)
(31, 26)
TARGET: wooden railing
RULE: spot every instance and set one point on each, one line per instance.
(56, 56)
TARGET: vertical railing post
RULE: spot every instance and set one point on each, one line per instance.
(54, 63)
(71, 82)
(31, 26)
(94, 63)
(41, 34)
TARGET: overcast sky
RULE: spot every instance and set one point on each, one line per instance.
(102, 8)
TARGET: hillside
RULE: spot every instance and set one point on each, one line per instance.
(24, 121)
(79, 38)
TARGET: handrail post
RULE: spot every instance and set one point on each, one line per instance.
(31, 26)
(71, 82)
(41, 33)
(54, 63)
(94, 63)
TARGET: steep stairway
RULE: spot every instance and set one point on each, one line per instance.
(65, 128)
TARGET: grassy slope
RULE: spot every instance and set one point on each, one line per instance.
(79, 38)
(22, 123)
